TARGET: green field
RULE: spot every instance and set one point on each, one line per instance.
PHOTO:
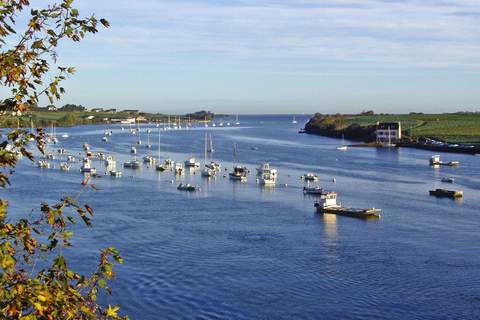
(454, 127)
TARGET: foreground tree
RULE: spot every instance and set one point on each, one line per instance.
(35, 279)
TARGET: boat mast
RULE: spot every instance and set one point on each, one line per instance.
(205, 148)
(158, 145)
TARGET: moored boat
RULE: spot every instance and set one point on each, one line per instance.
(444, 193)
(266, 175)
(133, 164)
(328, 204)
(188, 187)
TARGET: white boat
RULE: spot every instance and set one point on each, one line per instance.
(87, 166)
(43, 164)
(191, 163)
(105, 139)
(115, 173)
(61, 151)
(294, 121)
(149, 159)
(64, 166)
(65, 136)
(214, 166)
(86, 146)
(50, 156)
(310, 177)
(71, 159)
(343, 147)
(133, 164)
(107, 133)
(100, 156)
(236, 121)
(133, 150)
(266, 175)
(228, 123)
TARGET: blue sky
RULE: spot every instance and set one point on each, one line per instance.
(280, 56)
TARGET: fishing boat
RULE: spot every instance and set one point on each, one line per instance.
(444, 193)
(64, 166)
(43, 164)
(191, 163)
(132, 164)
(188, 187)
(266, 175)
(87, 166)
(328, 204)
(310, 177)
(448, 179)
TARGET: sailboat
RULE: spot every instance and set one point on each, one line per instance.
(236, 121)
(159, 166)
(343, 147)
(210, 148)
(139, 141)
(148, 146)
(207, 172)
(239, 173)
(294, 121)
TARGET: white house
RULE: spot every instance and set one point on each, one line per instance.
(389, 132)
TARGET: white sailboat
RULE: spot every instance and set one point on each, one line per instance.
(236, 121)
(343, 147)
(294, 121)
(210, 148)
(159, 166)
(207, 172)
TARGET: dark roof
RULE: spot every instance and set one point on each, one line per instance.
(388, 125)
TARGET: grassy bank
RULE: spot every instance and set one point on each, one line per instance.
(449, 127)
(68, 119)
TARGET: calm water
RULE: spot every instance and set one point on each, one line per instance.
(237, 251)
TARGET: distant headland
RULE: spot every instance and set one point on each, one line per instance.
(450, 132)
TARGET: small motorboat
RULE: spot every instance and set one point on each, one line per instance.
(316, 190)
(148, 159)
(179, 169)
(61, 151)
(110, 162)
(310, 177)
(448, 179)
(191, 163)
(215, 166)
(65, 135)
(105, 139)
(444, 193)
(87, 166)
(133, 150)
(71, 159)
(239, 173)
(208, 172)
(187, 187)
(133, 164)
